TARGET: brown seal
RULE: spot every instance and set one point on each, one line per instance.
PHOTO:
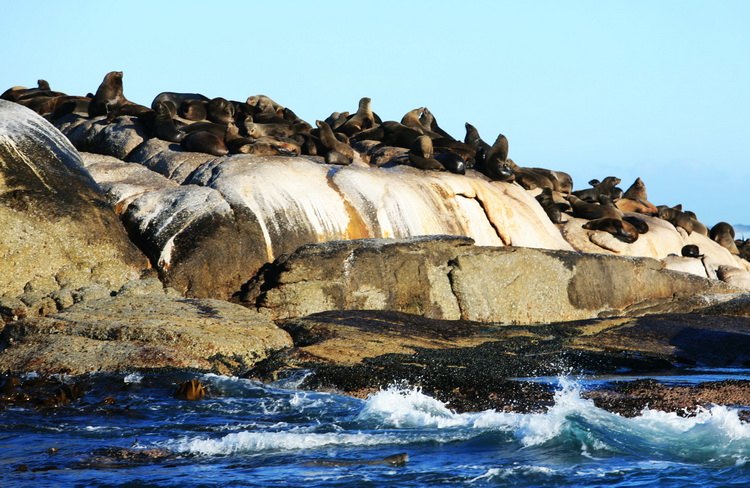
(205, 142)
(591, 211)
(394, 460)
(330, 141)
(678, 218)
(723, 233)
(177, 98)
(496, 164)
(109, 96)
(194, 110)
(636, 191)
(608, 186)
(361, 120)
(220, 110)
(164, 126)
(622, 230)
(421, 155)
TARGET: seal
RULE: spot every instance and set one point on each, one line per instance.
(451, 161)
(723, 233)
(678, 218)
(205, 142)
(591, 211)
(396, 460)
(194, 110)
(361, 120)
(636, 191)
(220, 110)
(164, 126)
(496, 164)
(177, 98)
(608, 186)
(640, 225)
(328, 139)
(108, 97)
(421, 155)
(691, 251)
(622, 230)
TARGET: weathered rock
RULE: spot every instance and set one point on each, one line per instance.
(448, 278)
(168, 159)
(119, 334)
(95, 135)
(58, 231)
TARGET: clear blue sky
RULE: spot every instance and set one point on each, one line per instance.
(656, 89)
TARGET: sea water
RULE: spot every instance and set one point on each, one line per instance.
(249, 434)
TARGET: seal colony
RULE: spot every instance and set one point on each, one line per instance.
(261, 126)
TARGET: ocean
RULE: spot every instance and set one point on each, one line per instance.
(245, 433)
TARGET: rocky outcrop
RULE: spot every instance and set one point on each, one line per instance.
(141, 332)
(467, 364)
(449, 278)
(58, 231)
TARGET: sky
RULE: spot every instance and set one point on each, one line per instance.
(653, 89)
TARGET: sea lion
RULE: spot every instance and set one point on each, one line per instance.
(622, 230)
(266, 111)
(396, 134)
(270, 146)
(205, 142)
(220, 110)
(394, 460)
(164, 126)
(553, 204)
(636, 191)
(591, 211)
(177, 98)
(605, 187)
(411, 119)
(421, 154)
(496, 161)
(190, 390)
(451, 161)
(678, 218)
(636, 206)
(329, 140)
(640, 225)
(691, 251)
(109, 96)
(723, 233)
(472, 138)
(192, 110)
(361, 120)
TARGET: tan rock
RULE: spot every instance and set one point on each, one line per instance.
(141, 332)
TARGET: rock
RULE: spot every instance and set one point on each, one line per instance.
(629, 399)
(448, 278)
(118, 334)
(168, 159)
(467, 364)
(95, 135)
(58, 231)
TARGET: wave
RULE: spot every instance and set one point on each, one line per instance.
(402, 416)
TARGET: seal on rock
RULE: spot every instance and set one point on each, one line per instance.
(205, 142)
(109, 96)
(591, 211)
(346, 153)
(723, 233)
(622, 230)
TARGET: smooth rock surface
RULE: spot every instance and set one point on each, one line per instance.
(449, 278)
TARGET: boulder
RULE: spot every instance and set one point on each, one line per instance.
(58, 229)
(449, 278)
(140, 332)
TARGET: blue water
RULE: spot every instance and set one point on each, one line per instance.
(249, 434)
